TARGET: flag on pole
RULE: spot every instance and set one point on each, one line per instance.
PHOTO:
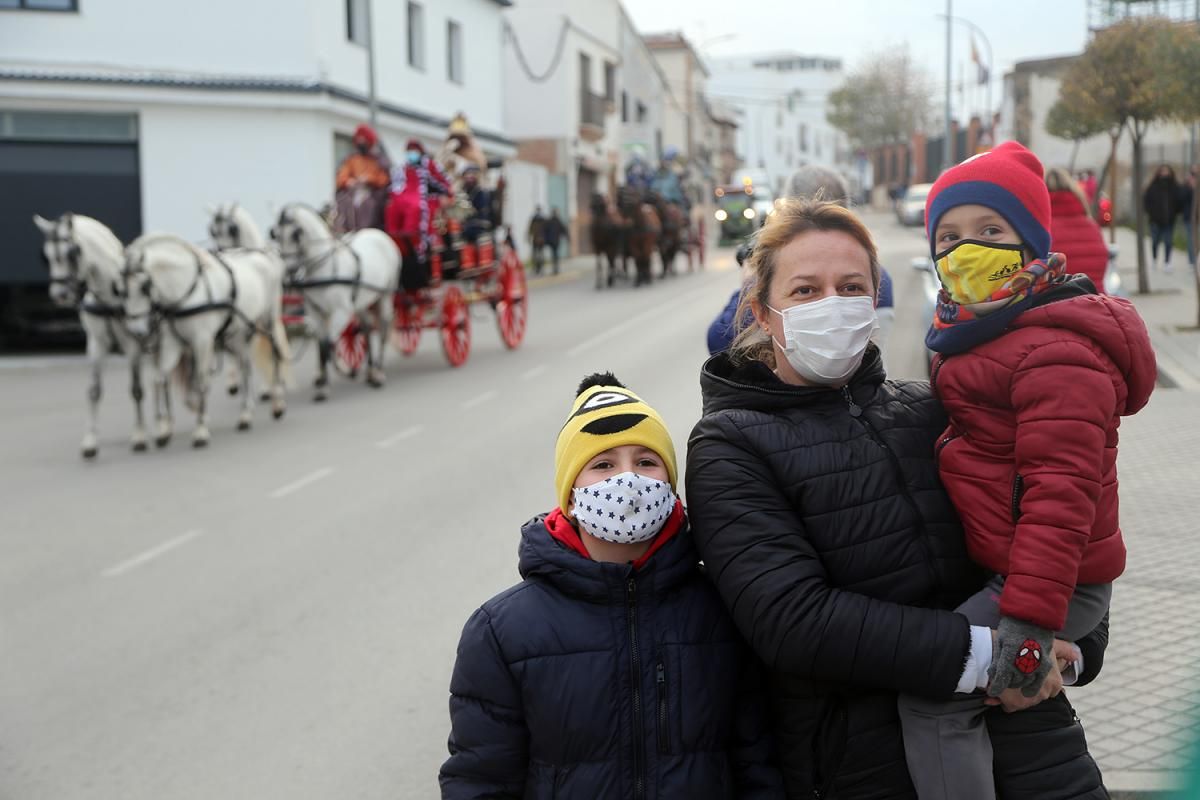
(981, 70)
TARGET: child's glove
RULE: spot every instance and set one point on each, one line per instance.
(1021, 658)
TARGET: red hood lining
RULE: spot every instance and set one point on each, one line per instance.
(563, 531)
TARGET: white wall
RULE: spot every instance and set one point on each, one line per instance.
(264, 37)
(526, 190)
(193, 156)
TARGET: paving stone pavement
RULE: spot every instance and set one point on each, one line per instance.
(1141, 713)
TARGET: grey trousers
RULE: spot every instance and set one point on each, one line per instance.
(945, 741)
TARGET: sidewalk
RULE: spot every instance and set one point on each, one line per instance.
(1139, 714)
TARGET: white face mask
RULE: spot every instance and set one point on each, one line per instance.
(624, 508)
(825, 340)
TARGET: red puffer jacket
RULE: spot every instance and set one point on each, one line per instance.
(1076, 235)
(1030, 456)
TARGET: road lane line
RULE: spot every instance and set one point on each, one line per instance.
(294, 486)
(151, 554)
(478, 399)
(533, 373)
(407, 433)
(633, 321)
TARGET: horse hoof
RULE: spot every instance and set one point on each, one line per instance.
(139, 446)
(200, 444)
(278, 413)
(319, 397)
(89, 452)
(233, 390)
(243, 425)
(264, 397)
(161, 441)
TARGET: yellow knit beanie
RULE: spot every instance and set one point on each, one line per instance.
(604, 417)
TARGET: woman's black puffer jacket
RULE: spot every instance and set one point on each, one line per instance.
(820, 516)
(599, 681)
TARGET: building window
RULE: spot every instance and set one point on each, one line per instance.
(610, 82)
(803, 138)
(624, 106)
(41, 5)
(641, 111)
(416, 35)
(454, 63)
(356, 21)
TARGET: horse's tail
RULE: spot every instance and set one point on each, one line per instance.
(272, 343)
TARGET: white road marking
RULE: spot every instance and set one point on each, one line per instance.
(637, 319)
(294, 486)
(478, 399)
(407, 433)
(151, 554)
(533, 373)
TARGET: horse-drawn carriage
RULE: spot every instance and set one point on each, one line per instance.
(636, 225)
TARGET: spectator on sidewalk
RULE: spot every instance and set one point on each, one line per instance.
(537, 239)
(612, 670)
(1073, 232)
(1161, 202)
(556, 234)
(1187, 212)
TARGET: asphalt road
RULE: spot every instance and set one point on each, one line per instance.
(276, 616)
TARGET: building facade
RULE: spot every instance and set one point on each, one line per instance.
(779, 101)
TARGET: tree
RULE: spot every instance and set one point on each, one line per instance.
(884, 100)
(1074, 117)
(1131, 75)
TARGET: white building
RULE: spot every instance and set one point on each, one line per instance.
(141, 113)
(780, 101)
(561, 62)
(647, 105)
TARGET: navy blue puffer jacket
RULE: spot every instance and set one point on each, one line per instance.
(603, 681)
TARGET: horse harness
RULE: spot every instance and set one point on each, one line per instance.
(298, 281)
(78, 283)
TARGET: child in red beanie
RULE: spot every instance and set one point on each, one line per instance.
(1035, 370)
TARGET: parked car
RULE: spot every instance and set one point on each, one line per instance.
(910, 209)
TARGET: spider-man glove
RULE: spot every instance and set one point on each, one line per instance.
(1021, 658)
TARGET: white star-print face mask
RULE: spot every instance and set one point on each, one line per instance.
(624, 508)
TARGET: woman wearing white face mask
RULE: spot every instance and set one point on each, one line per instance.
(815, 503)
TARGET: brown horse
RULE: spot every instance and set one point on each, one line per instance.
(674, 232)
(609, 230)
(644, 232)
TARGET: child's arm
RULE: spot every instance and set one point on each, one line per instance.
(489, 744)
(1064, 400)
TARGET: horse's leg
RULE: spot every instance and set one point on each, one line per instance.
(324, 354)
(383, 318)
(167, 360)
(96, 347)
(235, 380)
(138, 441)
(202, 352)
(242, 356)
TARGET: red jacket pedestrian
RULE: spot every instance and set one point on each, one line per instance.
(1073, 232)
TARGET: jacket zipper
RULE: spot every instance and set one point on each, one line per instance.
(937, 367)
(937, 453)
(635, 675)
(856, 412)
(660, 679)
(1018, 490)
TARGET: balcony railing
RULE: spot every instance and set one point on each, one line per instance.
(593, 108)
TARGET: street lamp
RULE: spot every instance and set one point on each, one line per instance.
(986, 43)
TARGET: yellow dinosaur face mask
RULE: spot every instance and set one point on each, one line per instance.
(971, 272)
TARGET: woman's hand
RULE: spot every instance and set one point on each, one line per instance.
(1014, 700)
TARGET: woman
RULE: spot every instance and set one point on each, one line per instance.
(816, 506)
(1161, 201)
(1073, 232)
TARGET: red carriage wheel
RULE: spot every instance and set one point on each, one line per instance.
(455, 327)
(513, 306)
(406, 323)
(350, 350)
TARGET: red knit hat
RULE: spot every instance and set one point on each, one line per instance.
(1007, 179)
(415, 144)
(364, 133)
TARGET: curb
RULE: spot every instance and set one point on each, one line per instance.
(1170, 361)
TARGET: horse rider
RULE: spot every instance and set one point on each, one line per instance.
(418, 187)
(667, 181)
(362, 182)
(638, 175)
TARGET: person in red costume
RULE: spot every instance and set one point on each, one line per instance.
(417, 185)
(362, 182)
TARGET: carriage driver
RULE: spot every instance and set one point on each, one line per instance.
(667, 181)
(482, 218)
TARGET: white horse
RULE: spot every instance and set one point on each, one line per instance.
(200, 301)
(232, 228)
(86, 261)
(341, 279)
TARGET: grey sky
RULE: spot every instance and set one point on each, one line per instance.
(1018, 29)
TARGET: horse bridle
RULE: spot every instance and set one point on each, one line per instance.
(74, 255)
(175, 310)
(221, 218)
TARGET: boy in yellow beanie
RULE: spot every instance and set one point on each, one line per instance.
(612, 669)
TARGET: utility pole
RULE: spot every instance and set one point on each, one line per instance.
(947, 146)
(372, 101)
